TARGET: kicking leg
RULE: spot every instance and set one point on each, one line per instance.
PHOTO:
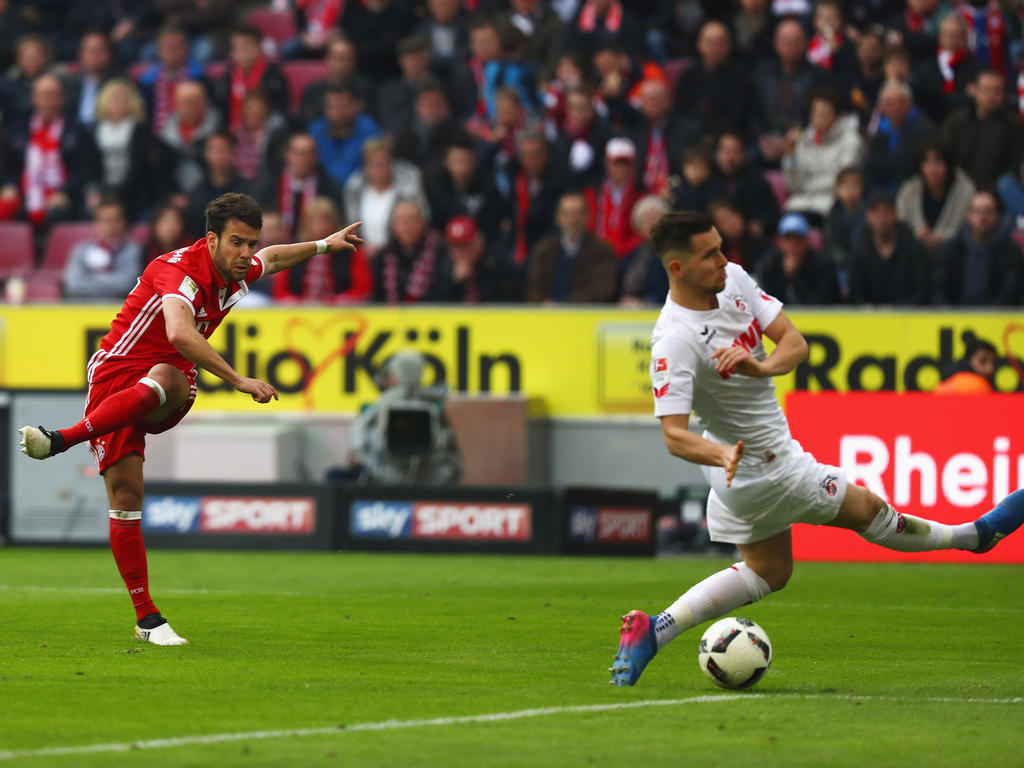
(153, 398)
(766, 567)
(878, 522)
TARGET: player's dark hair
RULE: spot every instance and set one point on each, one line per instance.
(675, 229)
(233, 205)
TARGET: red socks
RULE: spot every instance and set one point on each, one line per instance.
(117, 411)
(130, 556)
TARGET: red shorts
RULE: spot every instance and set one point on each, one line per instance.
(109, 379)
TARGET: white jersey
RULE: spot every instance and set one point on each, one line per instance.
(731, 407)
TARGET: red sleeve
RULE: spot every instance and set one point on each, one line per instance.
(172, 280)
(256, 269)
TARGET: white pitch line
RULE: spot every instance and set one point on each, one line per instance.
(396, 725)
(171, 591)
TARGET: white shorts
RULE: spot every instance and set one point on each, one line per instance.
(767, 498)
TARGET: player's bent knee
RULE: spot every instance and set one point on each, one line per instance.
(172, 382)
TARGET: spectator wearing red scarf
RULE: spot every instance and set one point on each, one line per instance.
(414, 267)
(158, 80)
(940, 82)
(658, 136)
(328, 278)
(249, 70)
(600, 22)
(297, 184)
(44, 174)
(317, 21)
(611, 203)
(828, 48)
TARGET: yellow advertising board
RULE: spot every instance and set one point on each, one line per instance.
(568, 362)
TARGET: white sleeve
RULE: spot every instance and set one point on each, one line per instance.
(673, 366)
(765, 308)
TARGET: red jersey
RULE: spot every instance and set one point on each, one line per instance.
(138, 335)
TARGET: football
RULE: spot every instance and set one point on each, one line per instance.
(735, 652)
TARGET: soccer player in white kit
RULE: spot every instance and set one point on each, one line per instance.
(707, 358)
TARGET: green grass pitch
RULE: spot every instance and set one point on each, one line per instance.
(392, 659)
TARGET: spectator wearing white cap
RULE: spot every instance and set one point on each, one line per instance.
(611, 202)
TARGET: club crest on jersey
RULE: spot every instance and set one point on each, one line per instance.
(829, 486)
(740, 305)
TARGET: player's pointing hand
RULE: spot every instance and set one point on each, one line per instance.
(345, 239)
(261, 391)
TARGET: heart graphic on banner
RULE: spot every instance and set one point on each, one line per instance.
(1008, 332)
(318, 330)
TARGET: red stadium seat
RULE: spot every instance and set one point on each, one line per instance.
(777, 181)
(40, 287)
(299, 75)
(277, 25)
(62, 238)
(17, 253)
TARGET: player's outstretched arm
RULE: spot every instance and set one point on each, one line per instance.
(790, 350)
(182, 333)
(280, 257)
(686, 445)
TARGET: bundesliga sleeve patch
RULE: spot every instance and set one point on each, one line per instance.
(189, 288)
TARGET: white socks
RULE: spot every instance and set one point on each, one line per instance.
(906, 533)
(716, 596)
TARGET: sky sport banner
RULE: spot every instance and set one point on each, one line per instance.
(949, 458)
(568, 362)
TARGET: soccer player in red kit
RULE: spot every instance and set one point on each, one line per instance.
(142, 380)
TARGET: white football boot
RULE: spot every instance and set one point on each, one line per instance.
(161, 635)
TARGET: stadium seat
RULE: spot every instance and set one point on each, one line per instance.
(277, 25)
(300, 74)
(41, 287)
(17, 254)
(777, 181)
(62, 238)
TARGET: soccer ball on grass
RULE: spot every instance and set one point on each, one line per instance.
(735, 652)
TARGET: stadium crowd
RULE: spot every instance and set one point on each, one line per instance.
(867, 151)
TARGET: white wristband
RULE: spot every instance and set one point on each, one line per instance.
(321, 246)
